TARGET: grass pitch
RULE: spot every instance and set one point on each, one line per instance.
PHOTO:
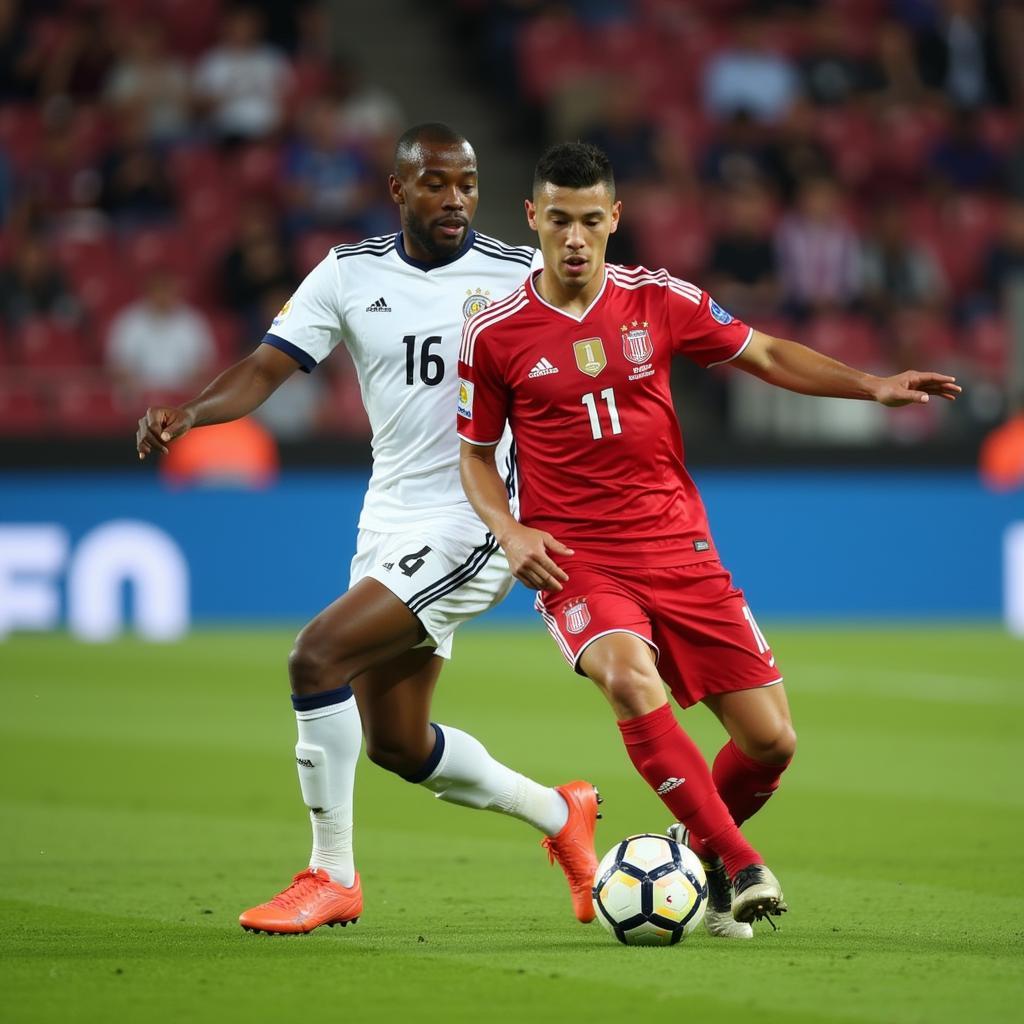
(148, 794)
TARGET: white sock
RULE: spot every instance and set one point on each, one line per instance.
(330, 738)
(466, 774)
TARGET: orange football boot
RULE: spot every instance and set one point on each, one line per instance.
(573, 847)
(310, 901)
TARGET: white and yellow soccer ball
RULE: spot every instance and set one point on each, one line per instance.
(650, 891)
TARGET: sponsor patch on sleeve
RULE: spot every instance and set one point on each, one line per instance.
(466, 398)
(718, 313)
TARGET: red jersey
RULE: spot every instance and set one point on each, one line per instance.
(597, 440)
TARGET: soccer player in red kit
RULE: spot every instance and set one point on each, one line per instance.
(613, 534)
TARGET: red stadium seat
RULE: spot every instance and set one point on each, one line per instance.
(553, 50)
(670, 232)
(89, 405)
(227, 336)
(21, 131)
(988, 346)
(851, 339)
(23, 409)
(257, 170)
(48, 344)
(313, 246)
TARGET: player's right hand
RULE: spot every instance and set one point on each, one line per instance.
(160, 425)
(527, 552)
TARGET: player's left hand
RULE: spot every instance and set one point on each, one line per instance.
(913, 386)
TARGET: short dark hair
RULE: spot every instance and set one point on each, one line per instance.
(574, 165)
(433, 132)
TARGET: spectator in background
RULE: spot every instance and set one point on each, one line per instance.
(899, 273)
(31, 286)
(135, 190)
(738, 156)
(20, 59)
(327, 181)
(62, 182)
(242, 84)
(959, 56)
(258, 264)
(159, 343)
(818, 252)
(365, 113)
(795, 153)
(749, 76)
(626, 133)
(1004, 262)
(963, 161)
(893, 77)
(742, 263)
(148, 80)
(830, 75)
(82, 58)
(1013, 167)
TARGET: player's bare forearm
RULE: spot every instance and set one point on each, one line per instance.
(485, 489)
(793, 366)
(527, 549)
(233, 394)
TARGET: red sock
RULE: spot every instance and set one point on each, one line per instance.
(676, 770)
(744, 784)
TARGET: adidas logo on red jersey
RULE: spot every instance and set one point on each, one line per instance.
(543, 368)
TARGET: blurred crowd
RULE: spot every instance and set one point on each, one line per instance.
(168, 173)
(849, 173)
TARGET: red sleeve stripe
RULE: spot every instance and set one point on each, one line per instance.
(499, 311)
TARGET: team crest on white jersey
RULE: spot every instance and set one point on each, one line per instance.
(477, 300)
(637, 346)
(590, 357)
(577, 616)
(283, 314)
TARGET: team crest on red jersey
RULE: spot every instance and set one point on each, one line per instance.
(590, 357)
(637, 346)
(577, 616)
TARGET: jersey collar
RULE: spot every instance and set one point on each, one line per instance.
(428, 265)
(532, 281)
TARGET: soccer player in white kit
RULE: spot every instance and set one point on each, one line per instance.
(424, 561)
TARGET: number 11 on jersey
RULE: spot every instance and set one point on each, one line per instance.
(595, 420)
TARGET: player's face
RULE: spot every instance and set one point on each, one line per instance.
(437, 194)
(573, 225)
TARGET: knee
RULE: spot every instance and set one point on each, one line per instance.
(393, 758)
(311, 664)
(776, 747)
(632, 690)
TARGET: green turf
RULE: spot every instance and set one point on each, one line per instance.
(148, 794)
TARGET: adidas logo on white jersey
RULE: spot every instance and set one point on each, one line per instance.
(380, 306)
(543, 368)
(669, 784)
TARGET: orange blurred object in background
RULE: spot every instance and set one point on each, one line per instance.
(239, 454)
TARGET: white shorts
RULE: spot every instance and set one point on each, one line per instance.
(446, 571)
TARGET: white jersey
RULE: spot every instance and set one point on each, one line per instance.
(402, 320)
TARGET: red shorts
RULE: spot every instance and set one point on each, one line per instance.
(703, 634)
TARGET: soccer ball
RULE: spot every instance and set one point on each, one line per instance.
(650, 891)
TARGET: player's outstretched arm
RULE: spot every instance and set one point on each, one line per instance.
(799, 368)
(526, 549)
(235, 393)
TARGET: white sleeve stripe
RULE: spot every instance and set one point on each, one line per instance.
(480, 444)
(638, 278)
(737, 353)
